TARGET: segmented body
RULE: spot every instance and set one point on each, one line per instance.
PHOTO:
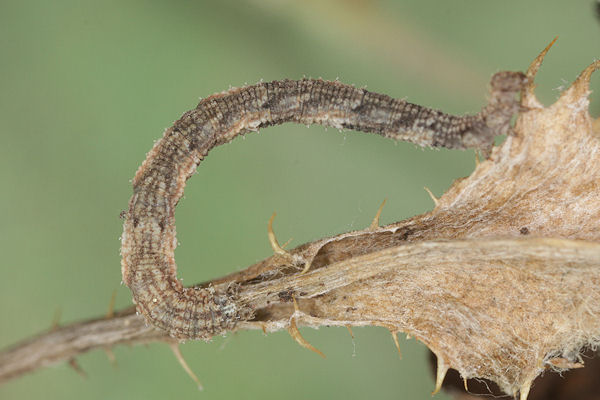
(148, 241)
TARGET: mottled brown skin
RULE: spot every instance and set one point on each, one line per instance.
(148, 241)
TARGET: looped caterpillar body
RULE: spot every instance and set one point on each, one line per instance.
(148, 241)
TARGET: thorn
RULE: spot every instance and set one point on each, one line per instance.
(296, 308)
(111, 356)
(264, 328)
(295, 333)
(77, 368)
(306, 268)
(350, 330)
(184, 365)
(441, 374)
(477, 161)
(56, 319)
(408, 336)
(277, 249)
(286, 243)
(466, 385)
(524, 391)
(111, 305)
(529, 91)
(395, 337)
(375, 223)
(535, 65)
(435, 199)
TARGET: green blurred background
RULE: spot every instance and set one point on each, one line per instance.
(87, 86)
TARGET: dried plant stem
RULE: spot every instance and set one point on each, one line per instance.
(125, 327)
(68, 341)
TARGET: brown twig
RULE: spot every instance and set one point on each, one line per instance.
(68, 341)
(328, 308)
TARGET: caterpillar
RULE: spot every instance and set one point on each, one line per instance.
(148, 241)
